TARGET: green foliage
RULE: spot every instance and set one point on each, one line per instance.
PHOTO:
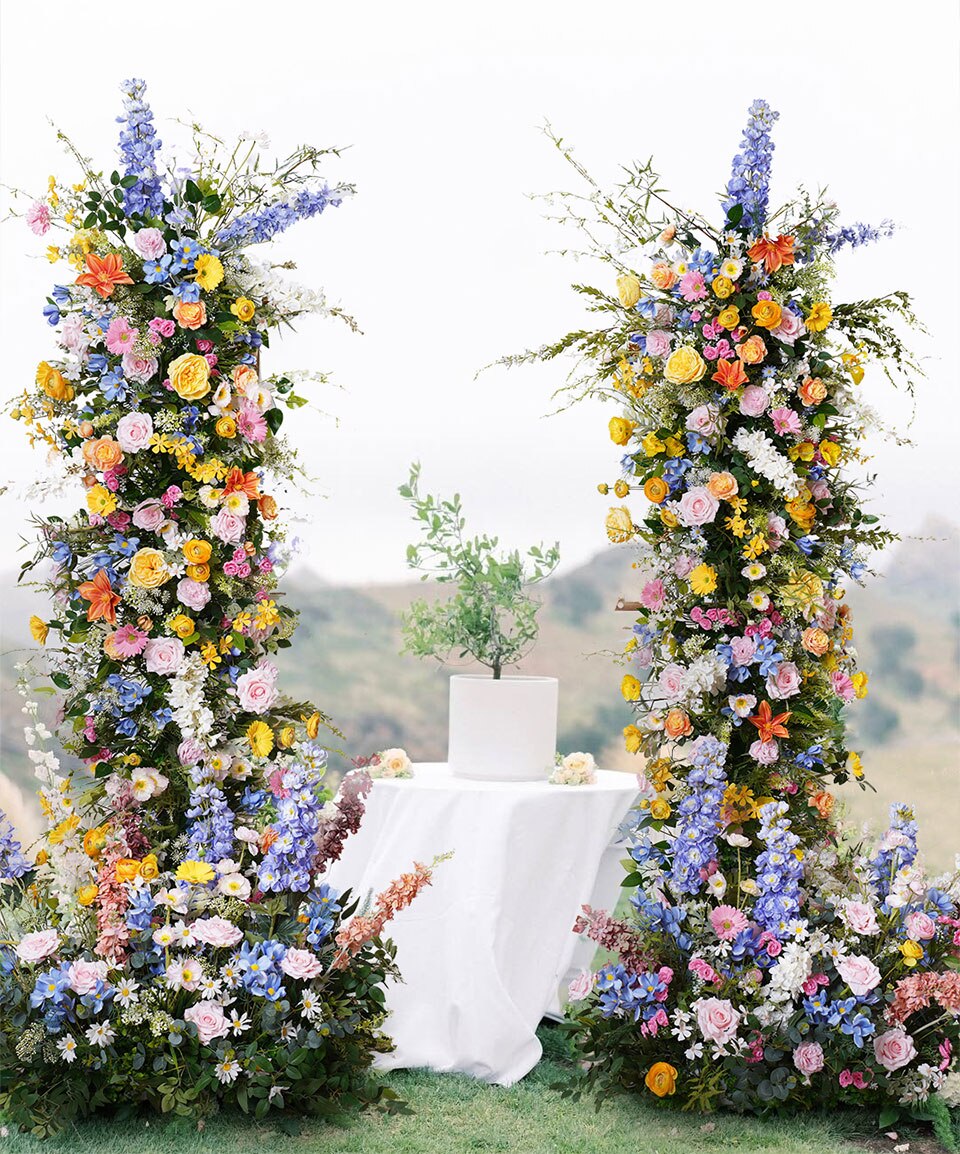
(492, 617)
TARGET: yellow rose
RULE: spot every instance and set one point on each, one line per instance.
(728, 318)
(912, 952)
(260, 737)
(182, 625)
(621, 430)
(619, 524)
(39, 629)
(87, 895)
(148, 570)
(821, 314)
(628, 289)
(684, 366)
(660, 809)
(53, 383)
(149, 870)
(661, 1079)
(195, 872)
(831, 452)
(630, 687)
(722, 287)
(243, 309)
(632, 738)
(767, 314)
(226, 427)
(197, 551)
(190, 376)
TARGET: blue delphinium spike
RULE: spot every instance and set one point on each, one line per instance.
(750, 179)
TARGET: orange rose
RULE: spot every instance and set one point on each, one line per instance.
(662, 275)
(268, 507)
(723, 486)
(656, 489)
(812, 391)
(823, 802)
(676, 725)
(244, 377)
(190, 314)
(661, 1079)
(102, 454)
(815, 641)
(752, 351)
(767, 314)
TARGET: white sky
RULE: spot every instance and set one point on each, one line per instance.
(442, 257)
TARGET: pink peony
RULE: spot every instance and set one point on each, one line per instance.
(149, 515)
(727, 922)
(216, 932)
(163, 655)
(860, 974)
(35, 947)
(83, 976)
(257, 689)
(149, 243)
(785, 682)
(753, 401)
(894, 1049)
(190, 752)
(742, 650)
(698, 506)
(194, 594)
(210, 1020)
(137, 368)
(38, 218)
(717, 1019)
(134, 431)
(120, 335)
(785, 422)
(765, 752)
(228, 527)
(808, 1058)
(658, 343)
(653, 595)
(302, 964)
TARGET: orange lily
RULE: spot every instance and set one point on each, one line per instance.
(773, 253)
(103, 600)
(769, 726)
(730, 374)
(240, 482)
(104, 275)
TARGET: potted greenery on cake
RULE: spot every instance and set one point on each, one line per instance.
(502, 727)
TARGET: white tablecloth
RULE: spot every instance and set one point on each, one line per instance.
(483, 948)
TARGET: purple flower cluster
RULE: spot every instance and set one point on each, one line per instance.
(265, 223)
(138, 147)
(698, 815)
(12, 862)
(778, 870)
(289, 863)
(210, 832)
(749, 181)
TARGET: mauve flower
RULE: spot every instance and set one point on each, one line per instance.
(302, 964)
(194, 594)
(149, 515)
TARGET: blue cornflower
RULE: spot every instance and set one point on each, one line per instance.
(767, 657)
(185, 253)
(162, 717)
(113, 386)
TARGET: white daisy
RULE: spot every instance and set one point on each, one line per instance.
(68, 1048)
(239, 1023)
(100, 1034)
(227, 1070)
(126, 991)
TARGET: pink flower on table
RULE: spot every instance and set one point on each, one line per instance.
(35, 947)
(120, 335)
(785, 682)
(38, 218)
(698, 506)
(228, 527)
(842, 685)
(753, 401)
(920, 926)
(860, 974)
(83, 976)
(727, 922)
(251, 424)
(808, 1058)
(162, 326)
(658, 343)
(257, 688)
(785, 422)
(765, 752)
(149, 243)
(302, 964)
(210, 1020)
(216, 932)
(894, 1049)
(692, 286)
(164, 655)
(717, 1019)
(194, 594)
(860, 917)
(134, 431)
(149, 515)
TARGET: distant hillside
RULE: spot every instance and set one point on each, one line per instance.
(346, 657)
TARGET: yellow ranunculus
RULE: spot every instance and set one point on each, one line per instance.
(182, 625)
(87, 895)
(669, 518)
(912, 952)
(312, 724)
(621, 430)
(684, 366)
(53, 383)
(126, 869)
(703, 580)
(630, 687)
(652, 445)
(39, 629)
(628, 289)
(729, 317)
(195, 872)
(619, 524)
(632, 738)
(148, 570)
(100, 501)
(197, 551)
(243, 309)
(260, 737)
(767, 314)
(660, 809)
(209, 271)
(286, 737)
(226, 427)
(149, 870)
(199, 572)
(621, 489)
(94, 840)
(190, 376)
(661, 1079)
(723, 287)
(820, 315)
(855, 764)
(831, 452)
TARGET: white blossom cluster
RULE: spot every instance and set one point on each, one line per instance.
(191, 715)
(768, 461)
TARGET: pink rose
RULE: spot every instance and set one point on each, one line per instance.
(754, 401)
(653, 596)
(210, 1020)
(765, 752)
(703, 970)
(301, 964)
(194, 594)
(742, 650)
(698, 506)
(72, 334)
(672, 682)
(162, 326)
(149, 515)
(705, 420)
(842, 685)
(658, 343)
(216, 932)
(137, 368)
(163, 655)
(860, 974)
(228, 527)
(894, 1049)
(257, 689)
(149, 243)
(808, 1058)
(860, 917)
(134, 431)
(35, 947)
(920, 926)
(791, 327)
(83, 976)
(717, 1019)
(785, 682)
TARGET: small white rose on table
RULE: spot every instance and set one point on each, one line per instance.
(575, 769)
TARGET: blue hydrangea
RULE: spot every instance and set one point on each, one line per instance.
(320, 912)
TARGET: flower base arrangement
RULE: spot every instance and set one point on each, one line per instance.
(172, 944)
(769, 961)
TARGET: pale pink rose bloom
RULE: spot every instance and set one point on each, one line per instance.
(684, 565)
(134, 431)
(257, 688)
(303, 964)
(753, 401)
(717, 1019)
(705, 419)
(842, 685)
(38, 218)
(72, 334)
(894, 1049)
(228, 527)
(194, 594)
(698, 506)
(658, 343)
(808, 1058)
(210, 1020)
(827, 617)
(664, 315)
(653, 595)
(217, 932)
(742, 650)
(35, 947)
(644, 656)
(137, 368)
(672, 681)
(920, 926)
(860, 917)
(765, 752)
(149, 243)
(791, 327)
(785, 682)
(580, 987)
(149, 515)
(163, 655)
(819, 490)
(860, 974)
(83, 976)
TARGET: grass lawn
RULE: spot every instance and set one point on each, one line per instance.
(455, 1115)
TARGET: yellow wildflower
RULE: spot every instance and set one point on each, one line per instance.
(39, 629)
(195, 872)
(260, 737)
(652, 445)
(243, 309)
(912, 952)
(210, 655)
(755, 547)
(820, 315)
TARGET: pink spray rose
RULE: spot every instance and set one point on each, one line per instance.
(860, 974)
(717, 1019)
(894, 1049)
(134, 431)
(210, 1020)
(302, 964)
(257, 688)
(698, 506)
(163, 655)
(808, 1058)
(753, 401)
(35, 947)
